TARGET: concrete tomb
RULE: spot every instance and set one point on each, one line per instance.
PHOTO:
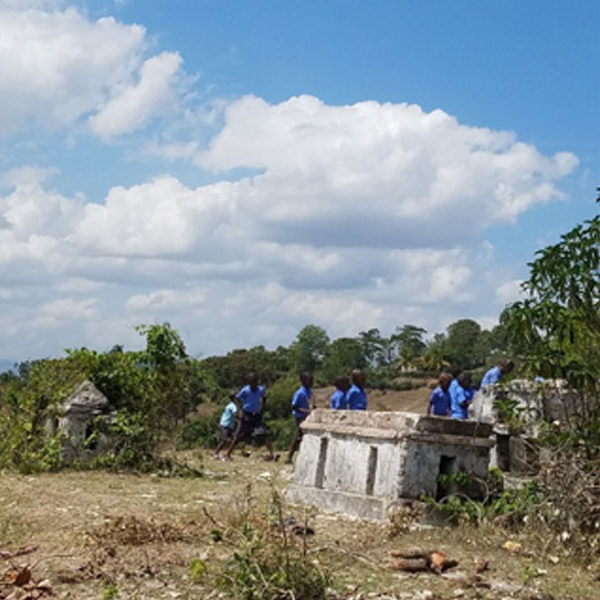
(76, 422)
(364, 464)
(516, 410)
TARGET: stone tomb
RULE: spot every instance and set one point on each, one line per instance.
(76, 422)
(363, 464)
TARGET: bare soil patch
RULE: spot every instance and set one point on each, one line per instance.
(100, 533)
(404, 400)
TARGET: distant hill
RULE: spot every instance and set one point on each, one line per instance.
(6, 365)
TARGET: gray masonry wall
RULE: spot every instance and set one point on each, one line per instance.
(362, 463)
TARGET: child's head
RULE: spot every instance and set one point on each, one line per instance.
(464, 379)
(444, 380)
(358, 377)
(342, 383)
(506, 366)
(306, 378)
(252, 380)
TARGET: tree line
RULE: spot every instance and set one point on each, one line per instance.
(554, 331)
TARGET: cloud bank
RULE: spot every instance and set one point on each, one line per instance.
(371, 214)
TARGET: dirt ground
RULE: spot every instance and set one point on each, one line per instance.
(104, 535)
(406, 400)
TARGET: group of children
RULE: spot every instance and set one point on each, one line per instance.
(250, 403)
(451, 398)
(453, 395)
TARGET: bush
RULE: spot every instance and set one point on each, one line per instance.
(279, 397)
(202, 431)
(267, 561)
(509, 507)
(283, 432)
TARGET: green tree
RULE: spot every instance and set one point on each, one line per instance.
(409, 341)
(555, 330)
(230, 370)
(461, 344)
(343, 355)
(309, 348)
(164, 346)
(379, 350)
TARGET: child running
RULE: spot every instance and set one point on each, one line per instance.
(226, 424)
(301, 407)
(251, 398)
(337, 400)
(439, 401)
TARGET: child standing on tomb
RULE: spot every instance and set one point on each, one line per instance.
(337, 400)
(439, 401)
(251, 398)
(301, 407)
(356, 397)
(226, 424)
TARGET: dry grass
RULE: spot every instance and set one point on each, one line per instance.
(100, 532)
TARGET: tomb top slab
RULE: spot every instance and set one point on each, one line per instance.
(392, 425)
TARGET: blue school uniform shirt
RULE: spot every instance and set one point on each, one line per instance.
(337, 400)
(356, 398)
(492, 376)
(458, 396)
(228, 416)
(301, 399)
(440, 402)
(250, 399)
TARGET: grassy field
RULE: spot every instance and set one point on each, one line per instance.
(103, 535)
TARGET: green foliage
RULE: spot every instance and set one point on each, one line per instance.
(229, 371)
(149, 392)
(512, 506)
(378, 350)
(283, 432)
(267, 563)
(110, 591)
(279, 396)
(309, 348)
(163, 346)
(343, 355)
(556, 328)
(509, 410)
(463, 336)
(201, 431)
(26, 405)
(409, 340)
(198, 569)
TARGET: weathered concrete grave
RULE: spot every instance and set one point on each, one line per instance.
(78, 413)
(363, 463)
(528, 403)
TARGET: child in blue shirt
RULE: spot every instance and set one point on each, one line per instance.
(301, 407)
(493, 375)
(251, 399)
(461, 394)
(356, 397)
(439, 401)
(337, 400)
(226, 424)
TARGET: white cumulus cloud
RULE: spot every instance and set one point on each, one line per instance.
(367, 215)
(133, 106)
(59, 66)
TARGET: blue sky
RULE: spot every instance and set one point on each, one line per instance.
(240, 169)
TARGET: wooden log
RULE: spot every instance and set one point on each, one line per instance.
(412, 565)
